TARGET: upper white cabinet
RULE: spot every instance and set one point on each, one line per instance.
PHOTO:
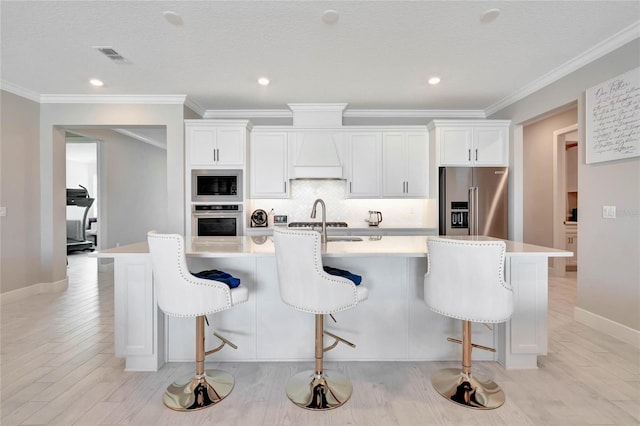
(471, 142)
(216, 143)
(364, 164)
(268, 164)
(405, 164)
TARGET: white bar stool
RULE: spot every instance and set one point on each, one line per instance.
(465, 280)
(181, 294)
(305, 286)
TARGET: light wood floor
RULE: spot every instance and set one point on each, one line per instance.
(58, 367)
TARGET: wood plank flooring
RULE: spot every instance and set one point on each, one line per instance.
(58, 367)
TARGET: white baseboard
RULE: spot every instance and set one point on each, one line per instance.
(605, 325)
(25, 292)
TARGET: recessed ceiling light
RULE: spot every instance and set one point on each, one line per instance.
(489, 15)
(330, 16)
(96, 82)
(434, 80)
(263, 81)
(173, 18)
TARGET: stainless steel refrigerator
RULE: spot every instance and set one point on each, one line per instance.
(473, 201)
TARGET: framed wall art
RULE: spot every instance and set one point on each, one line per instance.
(613, 118)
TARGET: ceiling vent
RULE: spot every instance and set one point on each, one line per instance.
(110, 53)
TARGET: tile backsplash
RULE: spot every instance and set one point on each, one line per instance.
(395, 212)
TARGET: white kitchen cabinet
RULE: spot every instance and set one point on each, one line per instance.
(471, 142)
(405, 164)
(571, 244)
(216, 143)
(268, 164)
(364, 164)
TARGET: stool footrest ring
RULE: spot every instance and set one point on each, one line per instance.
(338, 340)
(484, 348)
(222, 345)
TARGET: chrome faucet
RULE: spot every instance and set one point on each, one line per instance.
(323, 235)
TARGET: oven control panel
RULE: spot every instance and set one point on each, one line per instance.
(217, 207)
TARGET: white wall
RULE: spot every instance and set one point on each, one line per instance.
(608, 249)
(19, 193)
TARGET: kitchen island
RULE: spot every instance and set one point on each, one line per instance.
(394, 324)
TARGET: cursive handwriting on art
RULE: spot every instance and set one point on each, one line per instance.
(616, 118)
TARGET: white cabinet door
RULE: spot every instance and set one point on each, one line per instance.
(417, 151)
(455, 146)
(202, 146)
(365, 155)
(393, 164)
(405, 164)
(483, 143)
(571, 235)
(490, 146)
(230, 145)
(212, 144)
(268, 165)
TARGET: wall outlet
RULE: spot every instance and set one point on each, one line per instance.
(609, 212)
(3, 211)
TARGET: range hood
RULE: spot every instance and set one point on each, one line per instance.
(317, 147)
(316, 155)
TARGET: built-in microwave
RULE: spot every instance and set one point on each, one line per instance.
(213, 185)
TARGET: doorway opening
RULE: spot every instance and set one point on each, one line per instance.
(565, 197)
(82, 193)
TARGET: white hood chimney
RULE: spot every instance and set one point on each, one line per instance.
(317, 151)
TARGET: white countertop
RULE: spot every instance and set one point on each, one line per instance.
(370, 246)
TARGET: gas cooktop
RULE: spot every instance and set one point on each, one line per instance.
(317, 224)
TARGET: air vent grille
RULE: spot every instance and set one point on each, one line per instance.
(110, 53)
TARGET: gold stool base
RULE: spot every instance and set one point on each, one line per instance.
(192, 393)
(329, 390)
(474, 391)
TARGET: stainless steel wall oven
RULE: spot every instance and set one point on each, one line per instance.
(217, 220)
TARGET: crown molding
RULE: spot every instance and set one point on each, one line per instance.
(413, 113)
(141, 138)
(355, 113)
(113, 99)
(617, 40)
(247, 113)
(194, 106)
(20, 91)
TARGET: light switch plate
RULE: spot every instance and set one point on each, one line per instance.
(609, 212)
(3, 211)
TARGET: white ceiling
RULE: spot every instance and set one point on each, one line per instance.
(378, 55)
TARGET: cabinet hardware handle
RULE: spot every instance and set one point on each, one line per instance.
(476, 154)
(350, 188)
(407, 187)
(285, 186)
(468, 155)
